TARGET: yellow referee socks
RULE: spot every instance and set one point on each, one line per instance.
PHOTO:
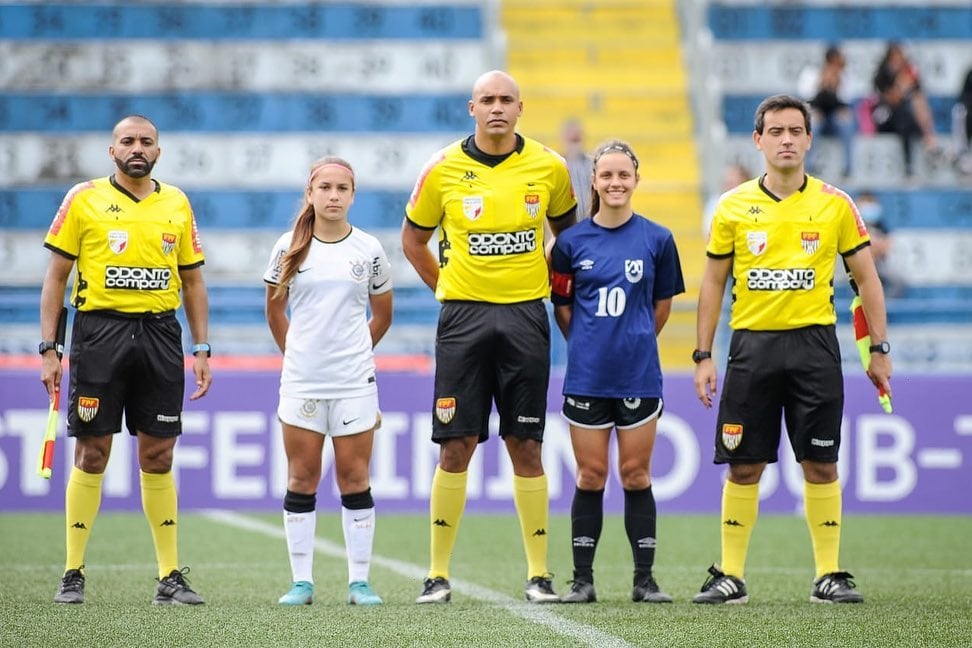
(533, 507)
(823, 504)
(160, 503)
(82, 501)
(446, 505)
(740, 507)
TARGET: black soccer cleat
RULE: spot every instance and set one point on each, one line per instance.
(721, 588)
(835, 587)
(174, 590)
(71, 589)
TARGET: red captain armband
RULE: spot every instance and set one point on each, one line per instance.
(562, 284)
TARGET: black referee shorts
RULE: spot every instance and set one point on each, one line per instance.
(486, 353)
(792, 375)
(131, 364)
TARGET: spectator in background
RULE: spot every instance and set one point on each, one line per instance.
(734, 175)
(872, 213)
(833, 115)
(328, 275)
(902, 107)
(579, 165)
(962, 126)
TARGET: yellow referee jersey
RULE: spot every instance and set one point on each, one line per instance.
(128, 251)
(490, 220)
(784, 252)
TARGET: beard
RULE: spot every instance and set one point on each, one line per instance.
(135, 171)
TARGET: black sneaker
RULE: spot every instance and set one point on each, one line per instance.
(174, 590)
(835, 587)
(721, 588)
(72, 587)
(648, 592)
(539, 589)
(580, 592)
(435, 590)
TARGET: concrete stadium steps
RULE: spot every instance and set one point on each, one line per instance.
(660, 113)
(580, 18)
(617, 66)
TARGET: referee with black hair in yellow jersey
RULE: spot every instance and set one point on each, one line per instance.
(488, 195)
(136, 247)
(780, 236)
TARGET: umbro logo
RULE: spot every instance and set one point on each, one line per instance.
(440, 522)
(755, 210)
(830, 523)
(470, 175)
(540, 532)
(168, 523)
(731, 522)
(114, 209)
(78, 525)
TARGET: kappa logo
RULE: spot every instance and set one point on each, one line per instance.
(755, 210)
(469, 176)
(113, 209)
(540, 532)
(168, 523)
(87, 408)
(445, 410)
(440, 523)
(731, 522)
(78, 525)
(830, 523)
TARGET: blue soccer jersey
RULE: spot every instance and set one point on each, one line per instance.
(612, 278)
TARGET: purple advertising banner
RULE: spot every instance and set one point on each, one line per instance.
(230, 456)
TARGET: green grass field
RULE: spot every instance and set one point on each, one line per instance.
(915, 572)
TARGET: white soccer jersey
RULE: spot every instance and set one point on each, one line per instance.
(328, 352)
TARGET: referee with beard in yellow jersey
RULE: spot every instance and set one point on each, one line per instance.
(780, 235)
(488, 196)
(136, 247)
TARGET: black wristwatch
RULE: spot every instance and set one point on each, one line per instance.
(881, 347)
(699, 356)
(45, 346)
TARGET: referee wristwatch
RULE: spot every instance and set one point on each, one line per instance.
(45, 346)
(881, 347)
(699, 356)
(202, 347)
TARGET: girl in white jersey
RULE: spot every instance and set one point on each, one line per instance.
(329, 274)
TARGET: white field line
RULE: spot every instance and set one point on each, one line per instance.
(538, 614)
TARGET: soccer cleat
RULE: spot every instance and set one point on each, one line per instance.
(360, 593)
(435, 590)
(71, 589)
(301, 593)
(722, 588)
(648, 592)
(835, 587)
(174, 590)
(539, 589)
(580, 592)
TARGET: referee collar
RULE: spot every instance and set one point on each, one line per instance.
(114, 183)
(774, 196)
(469, 148)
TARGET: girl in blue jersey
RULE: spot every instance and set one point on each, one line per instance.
(613, 278)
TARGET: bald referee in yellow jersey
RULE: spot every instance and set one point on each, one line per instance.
(134, 242)
(488, 195)
(780, 235)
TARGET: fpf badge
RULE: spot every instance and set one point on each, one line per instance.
(731, 436)
(445, 410)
